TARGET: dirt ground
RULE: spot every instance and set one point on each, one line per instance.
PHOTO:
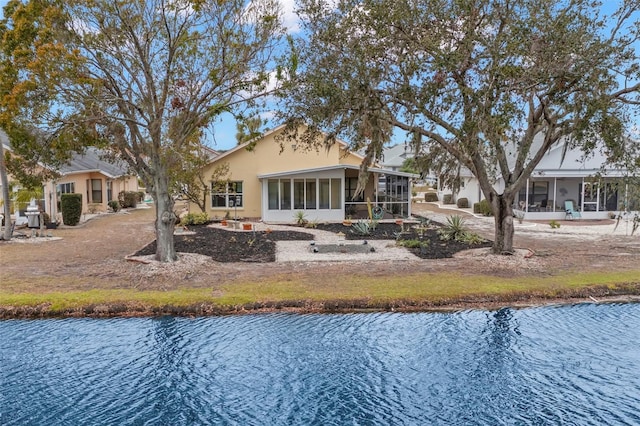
(93, 256)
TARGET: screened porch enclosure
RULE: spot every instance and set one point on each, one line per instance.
(331, 194)
(549, 195)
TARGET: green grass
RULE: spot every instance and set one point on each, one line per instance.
(349, 292)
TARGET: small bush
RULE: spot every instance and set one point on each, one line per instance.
(463, 203)
(447, 199)
(195, 219)
(140, 196)
(114, 205)
(301, 218)
(483, 208)
(71, 207)
(128, 199)
(431, 197)
(364, 227)
(554, 224)
(455, 229)
(412, 243)
(46, 219)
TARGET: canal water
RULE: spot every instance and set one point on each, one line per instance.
(566, 365)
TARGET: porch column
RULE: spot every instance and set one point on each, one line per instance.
(526, 197)
(555, 192)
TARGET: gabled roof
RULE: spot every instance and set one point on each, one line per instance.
(263, 136)
(335, 167)
(92, 160)
(395, 156)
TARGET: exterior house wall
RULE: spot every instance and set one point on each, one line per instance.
(79, 181)
(269, 156)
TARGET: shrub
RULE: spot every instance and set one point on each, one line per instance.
(71, 207)
(483, 208)
(194, 219)
(463, 203)
(431, 197)
(46, 219)
(455, 229)
(412, 243)
(447, 199)
(114, 205)
(363, 227)
(554, 224)
(300, 217)
(128, 199)
(140, 196)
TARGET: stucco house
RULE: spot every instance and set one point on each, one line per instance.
(556, 180)
(98, 180)
(273, 180)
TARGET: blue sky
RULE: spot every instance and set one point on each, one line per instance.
(224, 129)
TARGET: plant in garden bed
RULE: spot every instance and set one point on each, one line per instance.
(554, 224)
(300, 218)
(364, 227)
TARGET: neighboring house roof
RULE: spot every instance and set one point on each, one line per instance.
(92, 160)
(395, 156)
(335, 167)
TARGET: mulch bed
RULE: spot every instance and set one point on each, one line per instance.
(230, 246)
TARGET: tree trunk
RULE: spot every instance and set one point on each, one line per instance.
(504, 230)
(5, 196)
(165, 220)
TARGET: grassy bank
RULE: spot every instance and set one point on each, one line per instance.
(348, 293)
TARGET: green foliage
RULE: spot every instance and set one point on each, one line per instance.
(554, 224)
(114, 205)
(431, 197)
(312, 224)
(472, 238)
(71, 207)
(300, 218)
(447, 199)
(505, 74)
(195, 219)
(463, 203)
(483, 208)
(364, 227)
(412, 243)
(128, 199)
(455, 229)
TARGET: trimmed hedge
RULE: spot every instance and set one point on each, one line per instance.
(462, 203)
(431, 197)
(195, 219)
(71, 207)
(128, 199)
(483, 208)
(114, 205)
(447, 199)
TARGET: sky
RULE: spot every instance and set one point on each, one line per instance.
(224, 129)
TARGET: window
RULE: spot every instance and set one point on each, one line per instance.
(65, 188)
(95, 186)
(285, 194)
(324, 194)
(109, 190)
(227, 195)
(336, 202)
(350, 185)
(304, 194)
(538, 193)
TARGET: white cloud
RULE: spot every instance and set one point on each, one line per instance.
(289, 18)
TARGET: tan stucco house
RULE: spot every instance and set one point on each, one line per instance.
(98, 180)
(272, 179)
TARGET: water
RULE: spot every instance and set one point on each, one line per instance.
(574, 365)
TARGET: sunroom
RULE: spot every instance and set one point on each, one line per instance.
(330, 194)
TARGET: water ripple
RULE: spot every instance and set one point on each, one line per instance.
(555, 365)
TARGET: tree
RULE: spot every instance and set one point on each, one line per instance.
(486, 84)
(144, 77)
(248, 129)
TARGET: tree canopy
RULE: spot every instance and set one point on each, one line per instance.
(489, 85)
(144, 78)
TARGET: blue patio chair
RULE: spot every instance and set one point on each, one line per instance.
(570, 212)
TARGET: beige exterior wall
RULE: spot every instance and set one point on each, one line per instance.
(80, 183)
(269, 156)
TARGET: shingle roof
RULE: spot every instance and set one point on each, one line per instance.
(94, 159)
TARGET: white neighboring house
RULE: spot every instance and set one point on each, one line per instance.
(556, 180)
(393, 158)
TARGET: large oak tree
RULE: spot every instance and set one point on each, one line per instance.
(144, 77)
(471, 82)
